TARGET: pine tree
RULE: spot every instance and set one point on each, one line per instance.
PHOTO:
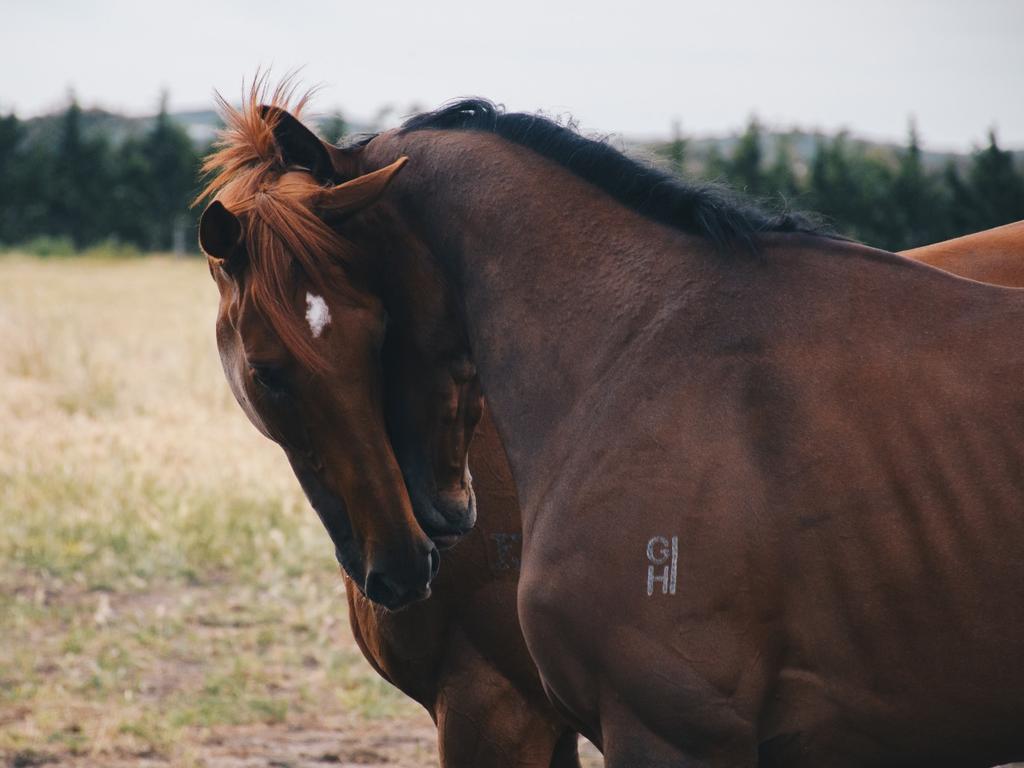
(914, 198)
(854, 190)
(960, 208)
(677, 148)
(716, 166)
(745, 164)
(79, 182)
(997, 190)
(11, 182)
(334, 127)
(136, 218)
(173, 164)
(780, 179)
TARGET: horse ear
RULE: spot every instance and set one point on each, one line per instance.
(298, 145)
(363, 190)
(220, 232)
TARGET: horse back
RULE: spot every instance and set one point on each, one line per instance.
(991, 256)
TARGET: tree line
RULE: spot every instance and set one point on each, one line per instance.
(885, 198)
(72, 188)
(69, 188)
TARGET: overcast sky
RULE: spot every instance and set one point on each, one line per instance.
(869, 65)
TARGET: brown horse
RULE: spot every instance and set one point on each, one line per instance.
(301, 334)
(992, 256)
(743, 539)
(461, 653)
(471, 617)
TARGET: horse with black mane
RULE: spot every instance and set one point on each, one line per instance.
(461, 652)
(770, 495)
(470, 622)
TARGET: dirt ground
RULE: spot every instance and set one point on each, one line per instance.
(313, 748)
(338, 742)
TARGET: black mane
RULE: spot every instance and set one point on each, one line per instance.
(703, 209)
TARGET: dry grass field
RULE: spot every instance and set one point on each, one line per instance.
(166, 596)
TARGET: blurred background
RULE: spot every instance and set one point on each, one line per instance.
(166, 596)
(896, 119)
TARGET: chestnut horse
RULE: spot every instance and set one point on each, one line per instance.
(461, 653)
(992, 256)
(301, 334)
(743, 674)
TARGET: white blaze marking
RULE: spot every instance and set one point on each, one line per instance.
(659, 552)
(317, 314)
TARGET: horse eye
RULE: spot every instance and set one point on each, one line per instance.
(268, 377)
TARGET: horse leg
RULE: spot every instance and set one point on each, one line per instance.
(503, 732)
(484, 720)
(567, 751)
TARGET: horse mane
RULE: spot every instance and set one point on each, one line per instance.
(704, 209)
(285, 239)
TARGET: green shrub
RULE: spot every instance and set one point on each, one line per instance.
(48, 245)
(112, 249)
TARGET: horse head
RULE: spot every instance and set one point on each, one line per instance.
(313, 309)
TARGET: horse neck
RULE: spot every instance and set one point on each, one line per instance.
(555, 278)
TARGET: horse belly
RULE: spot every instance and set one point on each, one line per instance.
(812, 722)
(904, 628)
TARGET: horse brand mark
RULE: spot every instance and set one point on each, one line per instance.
(663, 555)
(317, 314)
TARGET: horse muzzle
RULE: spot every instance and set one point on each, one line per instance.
(396, 582)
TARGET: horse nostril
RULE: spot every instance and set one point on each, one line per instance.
(435, 561)
(395, 590)
(380, 589)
